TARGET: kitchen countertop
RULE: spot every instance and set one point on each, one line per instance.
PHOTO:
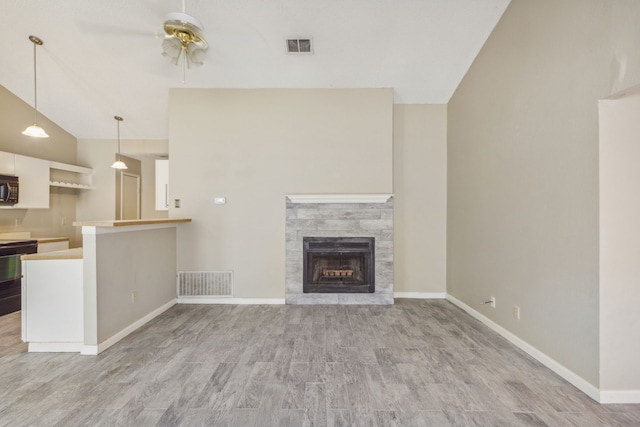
(26, 235)
(50, 239)
(127, 222)
(75, 253)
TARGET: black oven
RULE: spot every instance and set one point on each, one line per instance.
(8, 190)
(11, 272)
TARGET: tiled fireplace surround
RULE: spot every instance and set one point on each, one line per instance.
(357, 215)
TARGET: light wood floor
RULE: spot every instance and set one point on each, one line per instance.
(416, 363)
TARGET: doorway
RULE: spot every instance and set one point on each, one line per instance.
(129, 196)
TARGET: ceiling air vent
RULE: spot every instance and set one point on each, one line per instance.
(299, 45)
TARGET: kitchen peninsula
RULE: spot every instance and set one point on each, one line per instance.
(126, 271)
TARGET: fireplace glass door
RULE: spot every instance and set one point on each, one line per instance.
(338, 265)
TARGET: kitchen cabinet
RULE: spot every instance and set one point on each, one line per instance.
(36, 176)
(162, 185)
(7, 166)
(34, 182)
(52, 301)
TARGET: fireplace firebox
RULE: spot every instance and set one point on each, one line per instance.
(338, 265)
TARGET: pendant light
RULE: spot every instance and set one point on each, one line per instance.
(118, 164)
(35, 130)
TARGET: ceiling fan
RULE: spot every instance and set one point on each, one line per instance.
(184, 39)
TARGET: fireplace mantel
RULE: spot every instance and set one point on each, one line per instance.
(339, 198)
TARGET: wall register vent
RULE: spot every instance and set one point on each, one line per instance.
(205, 284)
(299, 45)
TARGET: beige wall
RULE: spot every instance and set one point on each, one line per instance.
(99, 154)
(99, 203)
(61, 147)
(254, 147)
(619, 242)
(420, 202)
(134, 167)
(117, 263)
(523, 170)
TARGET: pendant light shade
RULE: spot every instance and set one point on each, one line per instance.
(35, 130)
(119, 164)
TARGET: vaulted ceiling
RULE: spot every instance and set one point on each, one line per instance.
(102, 58)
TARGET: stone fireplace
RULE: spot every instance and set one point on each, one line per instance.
(339, 249)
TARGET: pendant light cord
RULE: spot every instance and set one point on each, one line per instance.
(119, 164)
(118, 120)
(34, 130)
(35, 86)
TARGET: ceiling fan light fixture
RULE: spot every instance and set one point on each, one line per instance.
(184, 40)
(34, 130)
(183, 26)
(119, 164)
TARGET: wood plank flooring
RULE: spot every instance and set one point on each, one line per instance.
(416, 363)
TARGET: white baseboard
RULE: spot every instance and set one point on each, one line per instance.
(54, 347)
(420, 295)
(89, 350)
(93, 350)
(213, 300)
(619, 396)
(579, 382)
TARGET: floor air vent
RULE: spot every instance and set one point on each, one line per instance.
(205, 284)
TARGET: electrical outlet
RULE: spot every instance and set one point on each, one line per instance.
(516, 312)
(134, 297)
(491, 302)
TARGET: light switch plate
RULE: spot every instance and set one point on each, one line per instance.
(220, 200)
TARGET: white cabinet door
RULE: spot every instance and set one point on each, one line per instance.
(162, 185)
(52, 304)
(33, 175)
(6, 163)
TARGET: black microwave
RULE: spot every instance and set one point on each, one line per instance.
(8, 190)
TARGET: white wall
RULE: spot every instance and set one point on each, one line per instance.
(523, 171)
(620, 243)
(254, 146)
(420, 202)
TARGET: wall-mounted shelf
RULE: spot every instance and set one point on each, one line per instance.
(69, 185)
(69, 176)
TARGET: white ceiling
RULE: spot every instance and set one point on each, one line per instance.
(103, 57)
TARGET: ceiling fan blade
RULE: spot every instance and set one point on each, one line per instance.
(114, 30)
